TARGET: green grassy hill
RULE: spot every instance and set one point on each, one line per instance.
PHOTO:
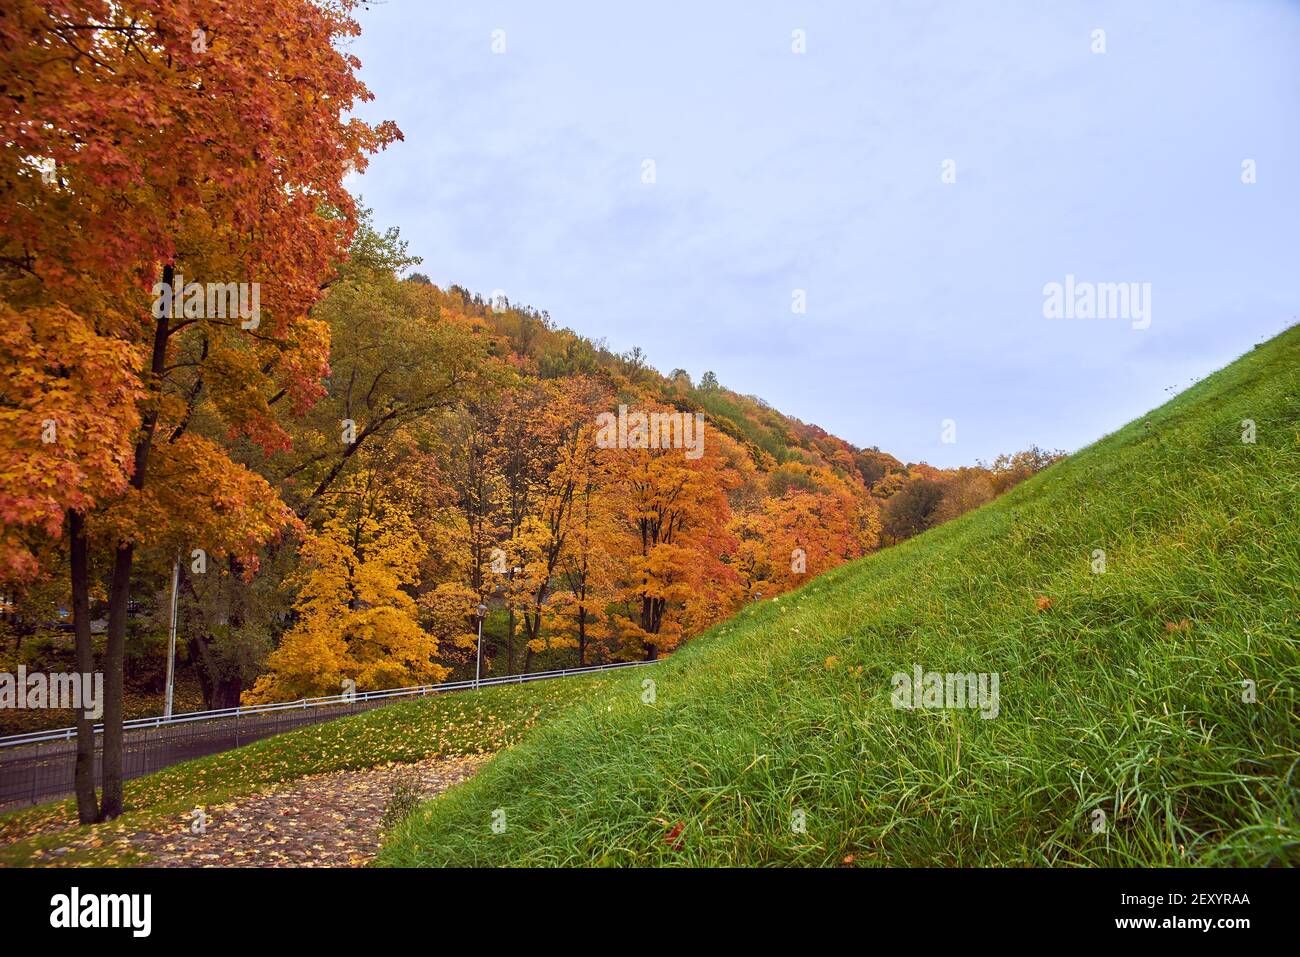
(1120, 692)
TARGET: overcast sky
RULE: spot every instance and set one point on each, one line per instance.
(823, 171)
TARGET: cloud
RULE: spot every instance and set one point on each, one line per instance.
(821, 172)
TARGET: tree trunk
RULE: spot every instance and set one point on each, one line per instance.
(219, 691)
(119, 591)
(582, 637)
(226, 692)
(651, 615)
(84, 776)
(114, 680)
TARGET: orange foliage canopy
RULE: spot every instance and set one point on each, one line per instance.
(138, 136)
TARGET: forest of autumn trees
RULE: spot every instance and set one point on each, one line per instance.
(344, 480)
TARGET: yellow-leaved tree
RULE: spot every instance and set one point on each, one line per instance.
(356, 616)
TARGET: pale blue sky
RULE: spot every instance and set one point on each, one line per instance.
(522, 171)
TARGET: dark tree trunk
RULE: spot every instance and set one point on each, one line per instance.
(119, 591)
(651, 616)
(510, 644)
(114, 680)
(84, 775)
(582, 637)
(219, 691)
(226, 693)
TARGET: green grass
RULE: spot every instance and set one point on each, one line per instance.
(787, 707)
(459, 723)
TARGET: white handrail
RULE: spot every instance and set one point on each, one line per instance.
(158, 721)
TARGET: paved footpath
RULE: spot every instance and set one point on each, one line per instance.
(325, 820)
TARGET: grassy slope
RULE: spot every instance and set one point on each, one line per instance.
(460, 723)
(787, 706)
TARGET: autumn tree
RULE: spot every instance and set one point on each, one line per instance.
(579, 605)
(521, 454)
(966, 489)
(398, 356)
(142, 146)
(818, 523)
(564, 442)
(873, 465)
(911, 510)
(671, 513)
(357, 617)
(1007, 471)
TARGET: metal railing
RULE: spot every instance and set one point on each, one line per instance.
(40, 765)
(413, 691)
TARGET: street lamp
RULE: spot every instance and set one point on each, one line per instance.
(481, 610)
(171, 640)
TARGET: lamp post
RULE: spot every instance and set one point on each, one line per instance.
(171, 640)
(481, 610)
